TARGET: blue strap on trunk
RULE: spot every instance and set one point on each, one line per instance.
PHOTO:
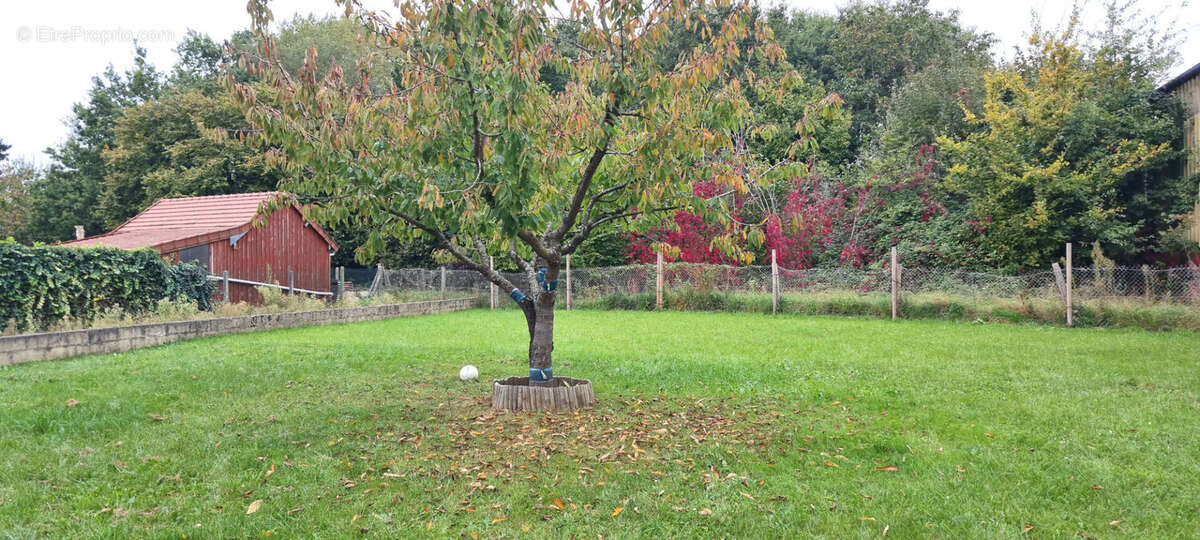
(548, 286)
(517, 295)
(541, 375)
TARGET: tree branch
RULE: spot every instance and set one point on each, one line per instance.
(584, 231)
(527, 266)
(538, 247)
(585, 181)
(444, 240)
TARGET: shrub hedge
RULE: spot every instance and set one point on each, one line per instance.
(1095, 313)
(42, 285)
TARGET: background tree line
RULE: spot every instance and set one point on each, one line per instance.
(960, 157)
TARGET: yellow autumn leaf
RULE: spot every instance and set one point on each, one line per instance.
(617, 511)
(499, 519)
(254, 506)
(560, 504)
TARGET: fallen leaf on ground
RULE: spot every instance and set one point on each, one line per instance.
(889, 468)
(866, 518)
(1097, 486)
(1115, 522)
(831, 464)
(72, 402)
(559, 504)
(254, 506)
(1027, 528)
(157, 417)
(499, 519)
(617, 511)
(705, 512)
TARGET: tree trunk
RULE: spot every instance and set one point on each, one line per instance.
(541, 341)
(539, 315)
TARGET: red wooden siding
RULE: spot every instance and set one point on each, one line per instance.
(267, 254)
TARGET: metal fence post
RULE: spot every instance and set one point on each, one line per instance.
(774, 283)
(291, 282)
(658, 283)
(491, 285)
(443, 286)
(341, 284)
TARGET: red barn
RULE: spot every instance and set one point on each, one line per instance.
(217, 233)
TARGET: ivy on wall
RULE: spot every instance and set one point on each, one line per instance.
(43, 285)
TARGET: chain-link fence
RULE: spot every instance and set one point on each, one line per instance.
(1173, 285)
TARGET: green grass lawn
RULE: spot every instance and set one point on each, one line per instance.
(708, 425)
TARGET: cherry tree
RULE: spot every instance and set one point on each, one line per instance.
(513, 128)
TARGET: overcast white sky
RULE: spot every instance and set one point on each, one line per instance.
(50, 49)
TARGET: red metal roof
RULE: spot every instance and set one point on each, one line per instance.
(174, 224)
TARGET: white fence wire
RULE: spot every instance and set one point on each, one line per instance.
(1172, 285)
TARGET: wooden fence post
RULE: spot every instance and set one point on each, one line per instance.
(291, 282)
(1060, 281)
(443, 285)
(568, 282)
(1070, 284)
(774, 283)
(1146, 283)
(658, 284)
(377, 282)
(225, 286)
(895, 284)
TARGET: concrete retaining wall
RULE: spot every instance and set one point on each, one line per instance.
(56, 345)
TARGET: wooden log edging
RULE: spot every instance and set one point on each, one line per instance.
(58, 345)
(515, 394)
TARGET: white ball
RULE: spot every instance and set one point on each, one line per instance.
(468, 373)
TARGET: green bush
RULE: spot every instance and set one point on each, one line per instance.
(189, 282)
(42, 285)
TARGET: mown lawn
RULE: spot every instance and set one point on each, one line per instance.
(709, 425)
